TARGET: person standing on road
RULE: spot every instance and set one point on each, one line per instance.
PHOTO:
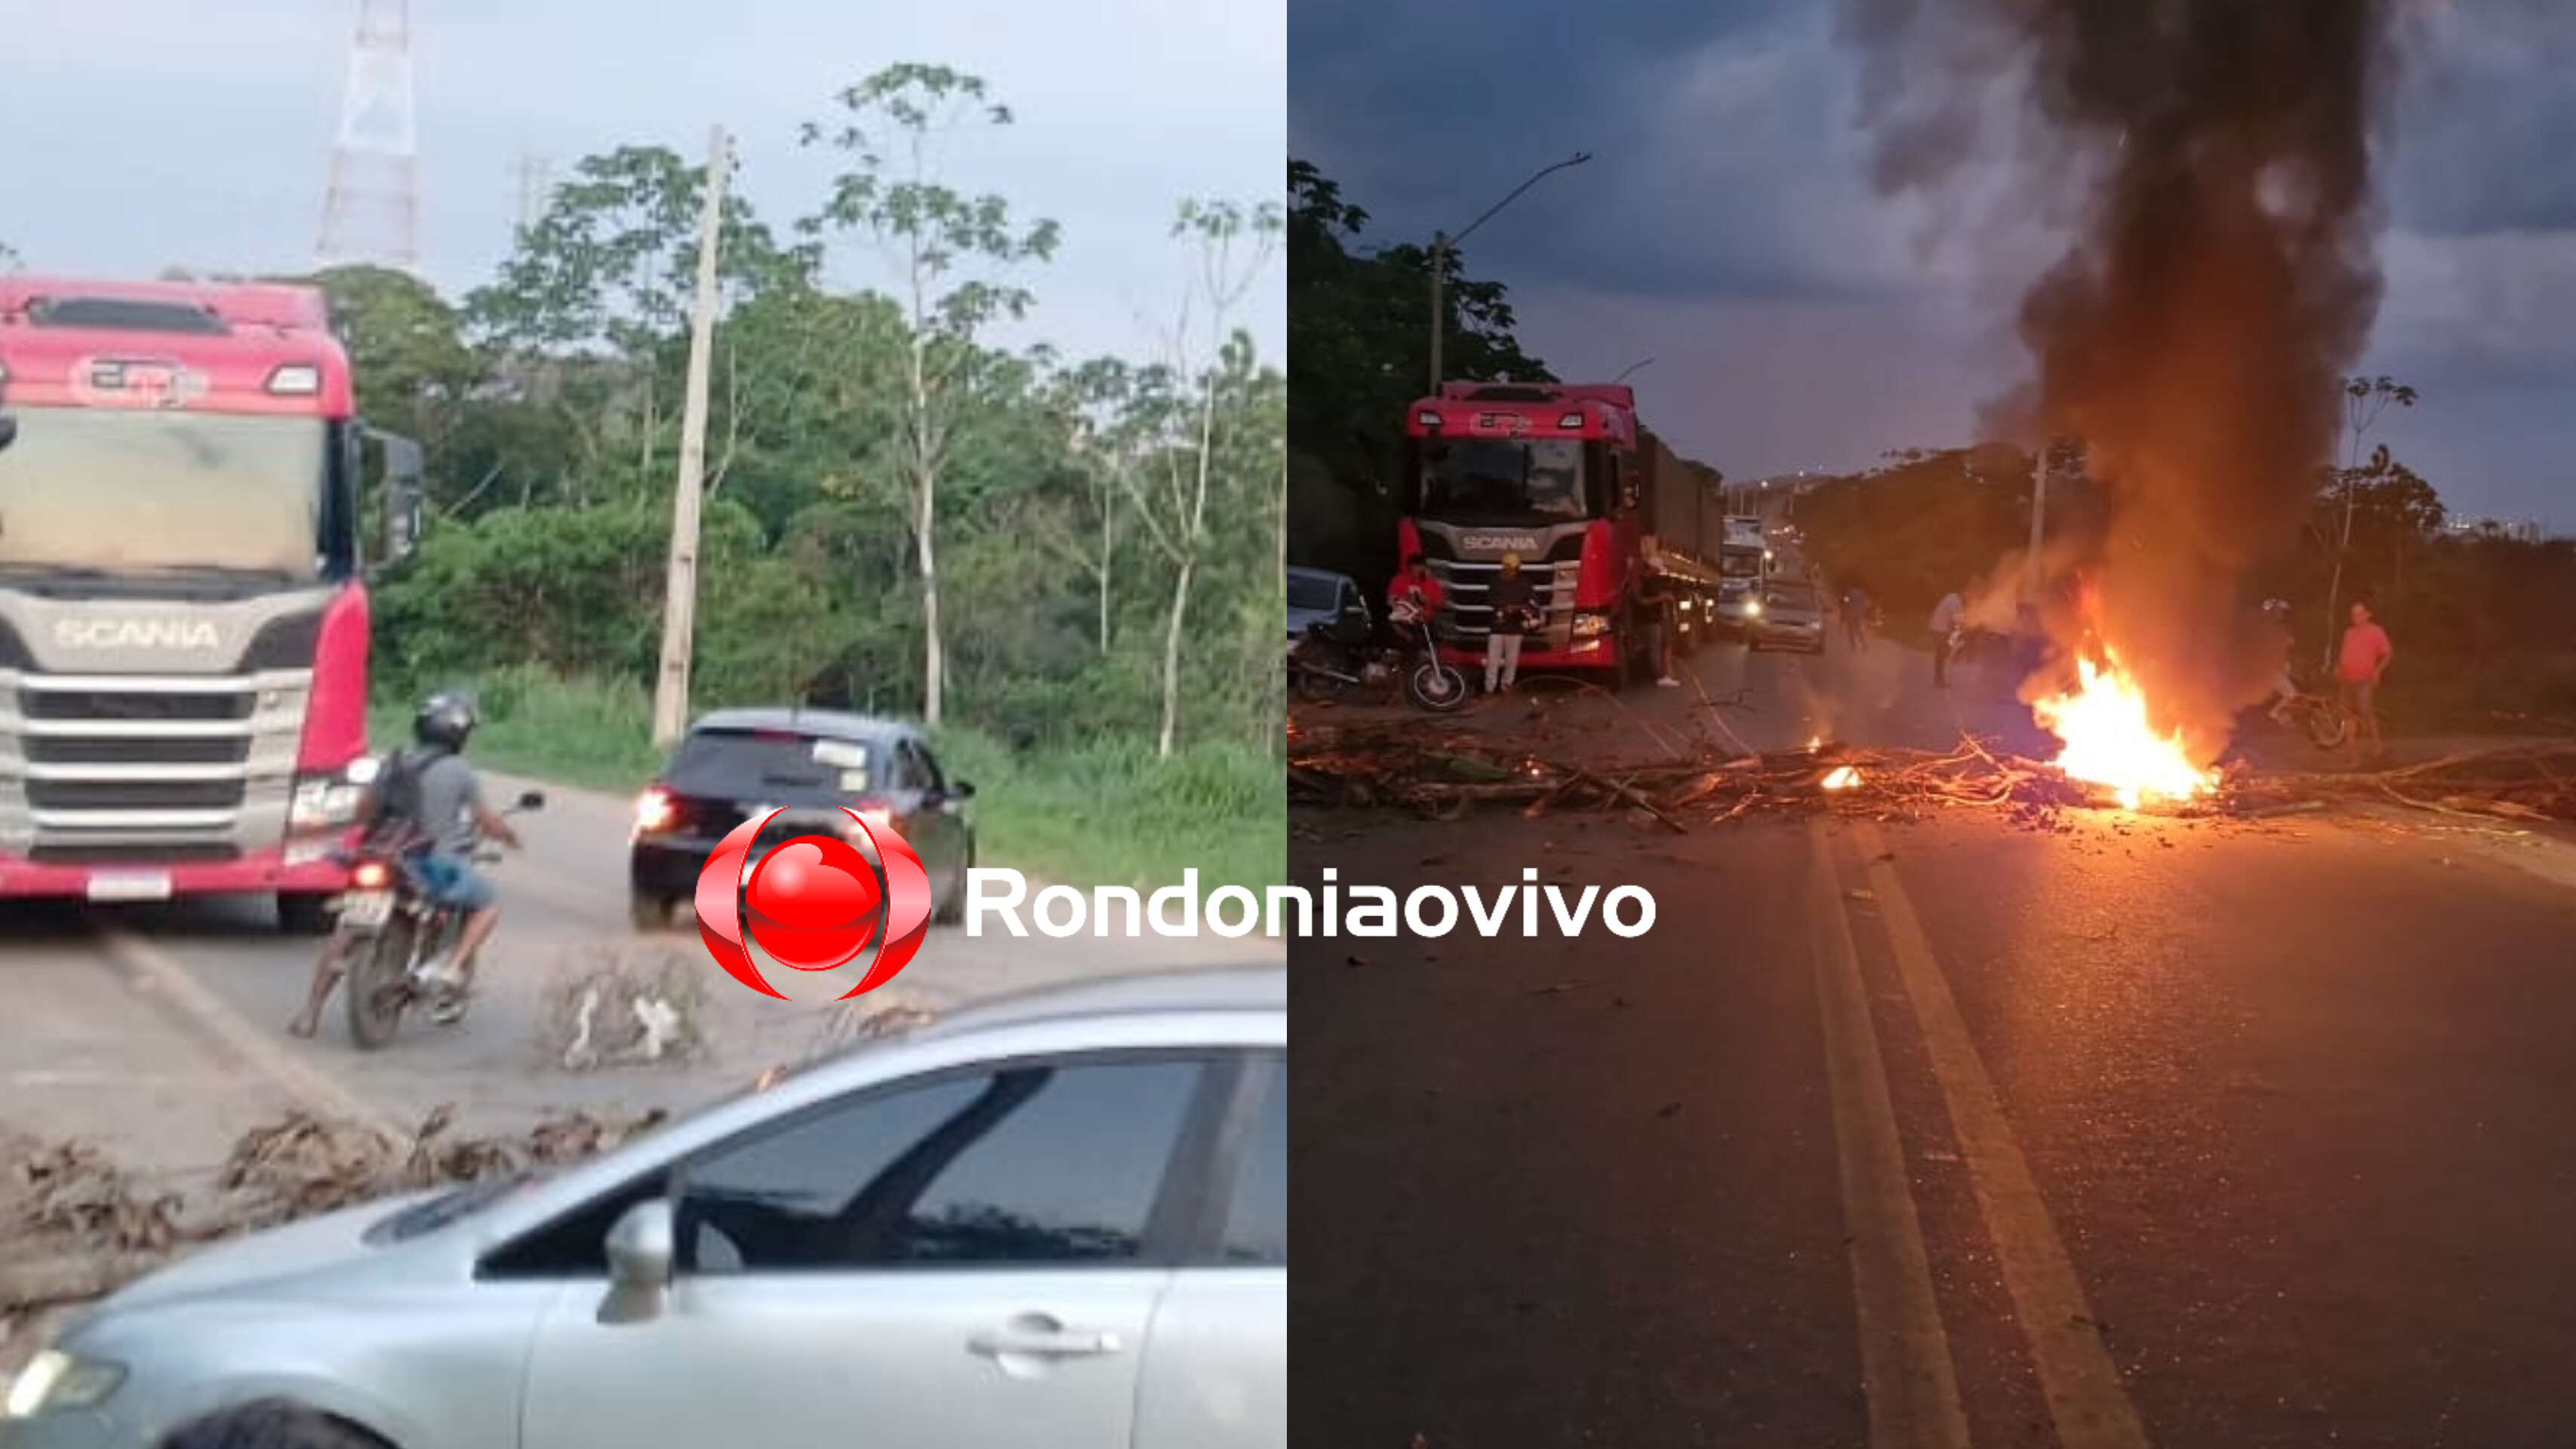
(2365, 656)
(1856, 618)
(1512, 597)
(2280, 645)
(1945, 621)
(1655, 609)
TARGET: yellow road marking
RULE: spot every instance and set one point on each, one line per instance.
(1906, 1371)
(2086, 1397)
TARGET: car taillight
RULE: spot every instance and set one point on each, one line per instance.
(371, 875)
(655, 811)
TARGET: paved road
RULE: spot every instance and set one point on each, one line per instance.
(2198, 1135)
(157, 1032)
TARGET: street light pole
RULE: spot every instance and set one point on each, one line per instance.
(1443, 242)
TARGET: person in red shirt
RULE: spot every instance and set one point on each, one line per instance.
(1414, 590)
(2365, 656)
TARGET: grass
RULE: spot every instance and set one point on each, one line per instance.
(1107, 814)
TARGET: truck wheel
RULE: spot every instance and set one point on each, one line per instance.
(301, 913)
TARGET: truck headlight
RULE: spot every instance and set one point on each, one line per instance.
(54, 1381)
(322, 803)
(1753, 608)
(1589, 626)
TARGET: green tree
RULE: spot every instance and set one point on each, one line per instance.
(1235, 244)
(2364, 400)
(1358, 347)
(937, 233)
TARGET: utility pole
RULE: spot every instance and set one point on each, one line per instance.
(679, 603)
(1442, 242)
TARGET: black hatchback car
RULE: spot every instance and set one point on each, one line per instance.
(736, 764)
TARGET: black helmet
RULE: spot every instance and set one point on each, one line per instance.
(443, 722)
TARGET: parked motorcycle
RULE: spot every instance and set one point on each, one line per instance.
(1323, 665)
(391, 932)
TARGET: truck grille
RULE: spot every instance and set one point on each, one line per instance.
(137, 749)
(74, 852)
(138, 705)
(135, 794)
(147, 770)
(1467, 619)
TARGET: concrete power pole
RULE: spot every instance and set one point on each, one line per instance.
(679, 604)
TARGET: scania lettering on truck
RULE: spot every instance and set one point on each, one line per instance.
(1559, 474)
(183, 621)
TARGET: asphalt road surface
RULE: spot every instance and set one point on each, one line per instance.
(158, 1032)
(2197, 1135)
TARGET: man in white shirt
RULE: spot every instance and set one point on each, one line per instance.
(1945, 619)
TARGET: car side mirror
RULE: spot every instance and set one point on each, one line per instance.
(961, 789)
(532, 800)
(641, 1250)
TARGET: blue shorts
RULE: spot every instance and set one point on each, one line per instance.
(451, 881)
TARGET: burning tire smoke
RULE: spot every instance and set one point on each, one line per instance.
(2212, 160)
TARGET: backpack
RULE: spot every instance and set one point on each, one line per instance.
(398, 800)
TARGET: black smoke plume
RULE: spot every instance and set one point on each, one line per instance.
(2211, 161)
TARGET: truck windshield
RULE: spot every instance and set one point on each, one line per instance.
(1503, 480)
(132, 491)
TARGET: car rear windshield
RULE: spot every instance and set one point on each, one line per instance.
(1309, 591)
(745, 762)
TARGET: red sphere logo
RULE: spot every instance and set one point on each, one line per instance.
(814, 903)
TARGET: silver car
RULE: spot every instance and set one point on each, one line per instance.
(1057, 1220)
(1787, 614)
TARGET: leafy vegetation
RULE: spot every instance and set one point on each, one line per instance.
(1359, 350)
(2469, 610)
(1068, 568)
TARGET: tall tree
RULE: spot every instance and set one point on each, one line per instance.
(2364, 400)
(941, 239)
(1235, 245)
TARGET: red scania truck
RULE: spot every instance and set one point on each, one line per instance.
(1562, 475)
(183, 622)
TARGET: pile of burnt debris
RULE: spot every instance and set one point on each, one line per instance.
(1401, 764)
(74, 1223)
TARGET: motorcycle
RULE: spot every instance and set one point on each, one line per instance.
(390, 931)
(2321, 717)
(1323, 665)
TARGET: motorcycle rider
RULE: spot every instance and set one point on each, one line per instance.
(2281, 640)
(1414, 592)
(426, 805)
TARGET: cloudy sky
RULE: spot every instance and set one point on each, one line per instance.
(198, 132)
(1727, 228)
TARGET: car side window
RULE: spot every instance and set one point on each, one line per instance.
(925, 770)
(1256, 1225)
(576, 1244)
(1037, 1163)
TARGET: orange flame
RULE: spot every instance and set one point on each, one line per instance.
(2108, 740)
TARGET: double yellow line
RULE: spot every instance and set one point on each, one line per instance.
(1911, 1382)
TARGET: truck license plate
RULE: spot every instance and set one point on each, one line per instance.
(366, 908)
(130, 886)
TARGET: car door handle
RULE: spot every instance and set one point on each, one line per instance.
(1028, 1343)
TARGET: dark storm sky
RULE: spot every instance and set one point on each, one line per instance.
(1727, 229)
